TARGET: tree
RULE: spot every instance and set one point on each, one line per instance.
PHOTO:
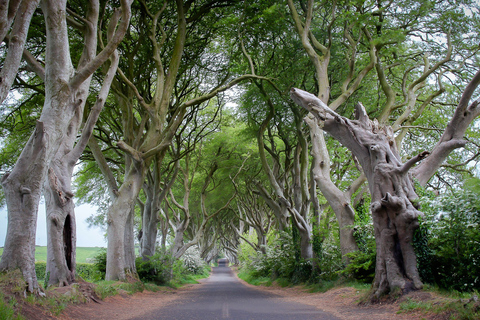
(394, 209)
(66, 90)
(153, 109)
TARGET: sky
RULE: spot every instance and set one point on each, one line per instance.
(86, 236)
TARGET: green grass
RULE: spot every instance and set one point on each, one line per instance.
(256, 281)
(83, 253)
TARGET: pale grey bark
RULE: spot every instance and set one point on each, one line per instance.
(118, 215)
(155, 194)
(394, 214)
(58, 192)
(23, 185)
(338, 200)
(65, 95)
(20, 13)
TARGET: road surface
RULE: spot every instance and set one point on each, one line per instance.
(223, 296)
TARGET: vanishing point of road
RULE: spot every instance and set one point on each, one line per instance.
(223, 296)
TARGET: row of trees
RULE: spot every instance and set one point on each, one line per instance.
(146, 112)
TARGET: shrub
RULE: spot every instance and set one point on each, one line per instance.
(40, 269)
(100, 263)
(88, 271)
(330, 258)
(157, 269)
(453, 233)
(282, 261)
(192, 262)
(361, 264)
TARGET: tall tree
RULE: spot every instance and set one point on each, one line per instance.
(66, 90)
(394, 209)
(154, 108)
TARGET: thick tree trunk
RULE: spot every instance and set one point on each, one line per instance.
(22, 189)
(118, 216)
(306, 246)
(24, 184)
(149, 228)
(394, 215)
(178, 239)
(129, 245)
(61, 229)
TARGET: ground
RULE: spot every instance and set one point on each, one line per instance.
(342, 302)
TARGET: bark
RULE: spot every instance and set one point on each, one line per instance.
(129, 245)
(118, 216)
(338, 200)
(61, 235)
(21, 12)
(149, 229)
(65, 96)
(22, 189)
(151, 213)
(394, 214)
(23, 184)
(58, 191)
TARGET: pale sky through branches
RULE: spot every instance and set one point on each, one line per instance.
(86, 236)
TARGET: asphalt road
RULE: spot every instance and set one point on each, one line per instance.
(223, 296)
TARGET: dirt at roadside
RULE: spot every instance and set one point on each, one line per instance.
(341, 302)
(122, 306)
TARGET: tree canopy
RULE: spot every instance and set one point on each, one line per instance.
(178, 120)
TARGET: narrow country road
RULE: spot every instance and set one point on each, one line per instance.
(223, 296)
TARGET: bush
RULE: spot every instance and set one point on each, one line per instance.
(157, 269)
(40, 269)
(89, 272)
(453, 233)
(100, 263)
(361, 264)
(282, 261)
(192, 262)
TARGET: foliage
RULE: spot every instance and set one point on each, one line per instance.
(157, 269)
(40, 268)
(88, 272)
(453, 224)
(192, 262)
(100, 263)
(329, 261)
(281, 262)
(361, 264)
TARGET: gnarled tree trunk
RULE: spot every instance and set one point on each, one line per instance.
(395, 217)
(61, 229)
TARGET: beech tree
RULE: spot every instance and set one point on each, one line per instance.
(66, 90)
(153, 109)
(394, 209)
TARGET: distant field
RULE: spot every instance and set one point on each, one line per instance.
(83, 253)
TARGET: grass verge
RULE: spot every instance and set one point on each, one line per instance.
(16, 304)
